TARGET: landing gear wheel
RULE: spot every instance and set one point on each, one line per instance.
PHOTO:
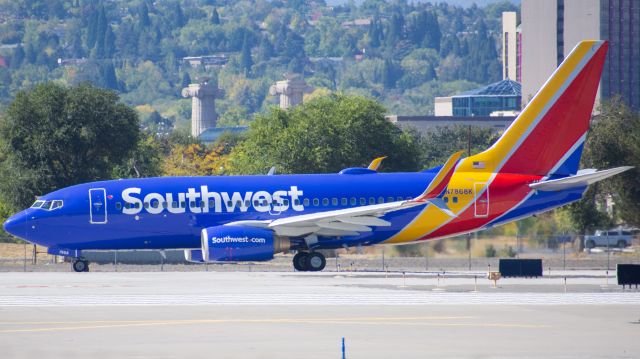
(80, 265)
(300, 261)
(316, 262)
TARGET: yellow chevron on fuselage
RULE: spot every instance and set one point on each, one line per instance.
(431, 218)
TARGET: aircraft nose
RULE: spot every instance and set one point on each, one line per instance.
(17, 225)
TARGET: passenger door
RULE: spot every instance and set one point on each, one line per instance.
(97, 206)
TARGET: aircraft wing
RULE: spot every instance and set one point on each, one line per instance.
(582, 178)
(355, 220)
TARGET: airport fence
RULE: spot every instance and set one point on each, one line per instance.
(482, 254)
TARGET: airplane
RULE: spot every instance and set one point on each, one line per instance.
(530, 169)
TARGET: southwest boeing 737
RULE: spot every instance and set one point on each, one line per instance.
(532, 168)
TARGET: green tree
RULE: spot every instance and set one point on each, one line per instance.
(56, 136)
(439, 144)
(245, 55)
(265, 51)
(144, 161)
(186, 79)
(326, 134)
(614, 140)
(145, 21)
(215, 17)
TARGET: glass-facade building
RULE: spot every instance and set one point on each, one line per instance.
(620, 24)
(505, 95)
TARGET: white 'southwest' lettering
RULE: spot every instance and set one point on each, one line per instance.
(205, 201)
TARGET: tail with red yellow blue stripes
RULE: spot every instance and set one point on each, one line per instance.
(546, 138)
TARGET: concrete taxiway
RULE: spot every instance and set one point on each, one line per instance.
(305, 315)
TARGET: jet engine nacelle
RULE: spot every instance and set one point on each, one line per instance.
(238, 243)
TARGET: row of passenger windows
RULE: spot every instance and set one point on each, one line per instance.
(353, 201)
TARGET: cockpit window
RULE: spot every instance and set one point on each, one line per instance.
(37, 204)
(56, 204)
(48, 205)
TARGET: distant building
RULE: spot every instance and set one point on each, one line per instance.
(511, 47)
(71, 62)
(212, 134)
(552, 28)
(497, 97)
(208, 61)
(356, 23)
(424, 124)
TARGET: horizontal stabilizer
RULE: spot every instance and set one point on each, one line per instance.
(582, 179)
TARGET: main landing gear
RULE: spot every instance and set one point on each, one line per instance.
(80, 265)
(309, 261)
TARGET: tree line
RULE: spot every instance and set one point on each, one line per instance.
(403, 54)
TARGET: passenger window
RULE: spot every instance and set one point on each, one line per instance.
(334, 201)
(192, 204)
(363, 201)
(455, 199)
(229, 203)
(256, 203)
(183, 204)
(239, 203)
(389, 199)
(155, 204)
(344, 201)
(306, 201)
(372, 200)
(297, 202)
(203, 204)
(380, 199)
(399, 198)
(354, 201)
(446, 200)
(174, 204)
(247, 203)
(118, 205)
(285, 202)
(316, 202)
(325, 201)
(146, 205)
(164, 204)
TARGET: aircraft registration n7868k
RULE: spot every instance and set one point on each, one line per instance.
(532, 168)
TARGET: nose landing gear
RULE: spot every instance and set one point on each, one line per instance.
(80, 265)
(309, 261)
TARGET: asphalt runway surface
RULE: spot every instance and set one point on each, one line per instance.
(306, 315)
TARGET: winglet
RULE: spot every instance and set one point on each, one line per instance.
(441, 180)
(375, 164)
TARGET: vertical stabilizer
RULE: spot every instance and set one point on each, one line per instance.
(547, 137)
